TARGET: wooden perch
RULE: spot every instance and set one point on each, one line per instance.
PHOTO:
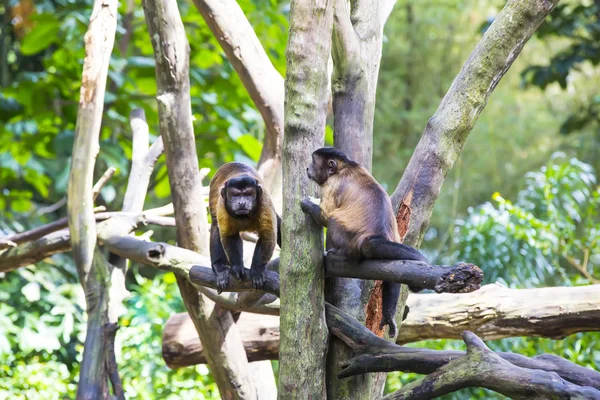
(452, 370)
(460, 278)
(495, 312)
(259, 335)
(481, 367)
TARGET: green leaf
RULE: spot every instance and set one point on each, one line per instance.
(40, 37)
(251, 146)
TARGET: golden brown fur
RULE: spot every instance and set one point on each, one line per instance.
(266, 219)
(356, 201)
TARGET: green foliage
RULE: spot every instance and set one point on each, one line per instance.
(42, 332)
(532, 242)
(578, 25)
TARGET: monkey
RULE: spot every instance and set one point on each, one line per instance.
(238, 203)
(359, 218)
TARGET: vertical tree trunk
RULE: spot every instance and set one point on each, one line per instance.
(92, 268)
(356, 54)
(303, 327)
(216, 328)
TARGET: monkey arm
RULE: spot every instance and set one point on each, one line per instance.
(218, 257)
(234, 248)
(262, 255)
(310, 208)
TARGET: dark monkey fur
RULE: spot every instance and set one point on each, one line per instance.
(359, 218)
(238, 203)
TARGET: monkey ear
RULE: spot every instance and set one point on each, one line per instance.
(332, 167)
(259, 190)
(224, 193)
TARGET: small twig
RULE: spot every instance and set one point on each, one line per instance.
(102, 181)
(581, 269)
(53, 207)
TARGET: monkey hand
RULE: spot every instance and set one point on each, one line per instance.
(307, 205)
(389, 320)
(222, 280)
(238, 272)
(258, 278)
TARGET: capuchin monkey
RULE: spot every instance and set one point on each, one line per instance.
(238, 203)
(359, 218)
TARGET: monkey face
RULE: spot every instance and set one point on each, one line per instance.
(321, 169)
(242, 197)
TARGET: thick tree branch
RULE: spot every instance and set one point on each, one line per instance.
(481, 367)
(374, 354)
(260, 337)
(447, 131)
(215, 325)
(92, 268)
(496, 312)
(460, 278)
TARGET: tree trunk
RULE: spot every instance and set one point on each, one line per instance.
(303, 327)
(92, 268)
(216, 328)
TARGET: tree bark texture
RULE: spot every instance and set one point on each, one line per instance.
(303, 327)
(216, 328)
(446, 132)
(264, 84)
(92, 268)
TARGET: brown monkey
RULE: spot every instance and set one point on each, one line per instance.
(359, 218)
(238, 203)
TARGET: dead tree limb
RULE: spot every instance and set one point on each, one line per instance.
(260, 337)
(495, 312)
(374, 354)
(481, 367)
(92, 268)
(460, 278)
(215, 325)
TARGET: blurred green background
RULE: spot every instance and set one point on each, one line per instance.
(522, 201)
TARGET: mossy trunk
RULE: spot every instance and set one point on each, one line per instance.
(303, 327)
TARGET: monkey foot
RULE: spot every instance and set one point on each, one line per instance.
(258, 279)
(238, 272)
(222, 280)
(389, 321)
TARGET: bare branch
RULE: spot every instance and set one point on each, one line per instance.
(102, 181)
(92, 269)
(374, 354)
(461, 278)
(481, 367)
(496, 312)
(260, 334)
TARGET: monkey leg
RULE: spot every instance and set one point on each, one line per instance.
(391, 294)
(262, 254)
(218, 258)
(234, 248)
(310, 208)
